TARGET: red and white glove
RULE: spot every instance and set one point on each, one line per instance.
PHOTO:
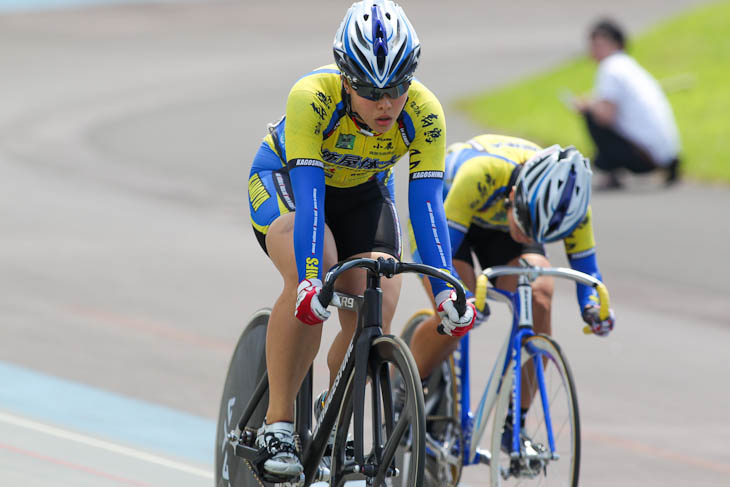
(309, 310)
(598, 327)
(453, 324)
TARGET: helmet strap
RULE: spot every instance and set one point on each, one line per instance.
(356, 119)
(514, 175)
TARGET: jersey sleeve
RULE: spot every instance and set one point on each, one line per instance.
(303, 143)
(425, 188)
(580, 247)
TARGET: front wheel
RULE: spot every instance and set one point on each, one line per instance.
(538, 462)
(390, 361)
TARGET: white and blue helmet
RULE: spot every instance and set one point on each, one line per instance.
(376, 45)
(553, 190)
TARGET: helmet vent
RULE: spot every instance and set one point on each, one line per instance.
(361, 56)
(536, 177)
(396, 59)
(360, 37)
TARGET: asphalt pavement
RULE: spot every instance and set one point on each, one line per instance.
(128, 266)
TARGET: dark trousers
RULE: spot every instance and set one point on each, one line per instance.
(613, 151)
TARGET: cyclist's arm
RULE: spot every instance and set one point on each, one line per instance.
(425, 187)
(308, 187)
(580, 247)
(306, 171)
(429, 226)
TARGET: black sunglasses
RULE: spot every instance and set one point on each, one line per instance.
(374, 94)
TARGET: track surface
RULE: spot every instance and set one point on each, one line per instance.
(128, 264)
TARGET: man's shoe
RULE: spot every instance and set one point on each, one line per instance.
(672, 172)
(610, 182)
(278, 457)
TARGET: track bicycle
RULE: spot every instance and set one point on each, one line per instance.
(372, 362)
(544, 449)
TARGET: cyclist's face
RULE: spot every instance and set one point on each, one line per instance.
(380, 115)
(514, 229)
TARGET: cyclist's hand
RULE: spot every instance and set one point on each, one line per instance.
(481, 316)
(309, 310)
(453, 324)
(598, 327)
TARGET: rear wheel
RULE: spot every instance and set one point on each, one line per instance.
(444, 445)
(390, 360)
(247, 367)
(538, 464)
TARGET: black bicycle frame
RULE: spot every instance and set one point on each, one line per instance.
(369, 327)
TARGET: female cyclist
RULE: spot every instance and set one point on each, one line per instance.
(504, 198)
(330, 159)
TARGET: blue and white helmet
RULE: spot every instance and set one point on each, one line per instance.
(376, 44)
(552, 193)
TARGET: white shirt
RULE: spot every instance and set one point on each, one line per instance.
(643, 113)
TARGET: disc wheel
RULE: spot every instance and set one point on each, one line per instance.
(247, 367)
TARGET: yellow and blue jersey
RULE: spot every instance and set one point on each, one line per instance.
(321, 145)
(318, 127)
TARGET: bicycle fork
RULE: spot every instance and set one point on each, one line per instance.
(525, 330)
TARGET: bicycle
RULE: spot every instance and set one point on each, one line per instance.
(372, 360)
(545, 447)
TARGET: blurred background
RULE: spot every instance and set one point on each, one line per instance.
(128, 266)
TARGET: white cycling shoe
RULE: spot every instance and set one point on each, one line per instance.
(276, 442)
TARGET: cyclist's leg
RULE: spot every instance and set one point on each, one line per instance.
(428, 347)
(290, 345)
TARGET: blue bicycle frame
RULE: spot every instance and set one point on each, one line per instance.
(521, 329)
(508, 369)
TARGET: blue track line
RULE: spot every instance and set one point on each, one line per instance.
(105, 415)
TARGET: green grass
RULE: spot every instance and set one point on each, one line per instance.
(695, 45)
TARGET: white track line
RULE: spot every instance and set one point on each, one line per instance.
(104, 445)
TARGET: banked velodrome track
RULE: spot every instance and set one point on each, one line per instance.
(127, 265)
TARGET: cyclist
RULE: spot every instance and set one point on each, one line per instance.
(332, 154)
(504, 198)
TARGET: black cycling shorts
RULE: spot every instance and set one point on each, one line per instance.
(362, 219)
(493, 247)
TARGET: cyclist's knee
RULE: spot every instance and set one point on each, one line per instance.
(542, 295)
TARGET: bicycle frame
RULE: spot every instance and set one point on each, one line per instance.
(520, 304)
(369, 327)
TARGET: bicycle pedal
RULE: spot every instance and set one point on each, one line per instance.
(284, 482)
